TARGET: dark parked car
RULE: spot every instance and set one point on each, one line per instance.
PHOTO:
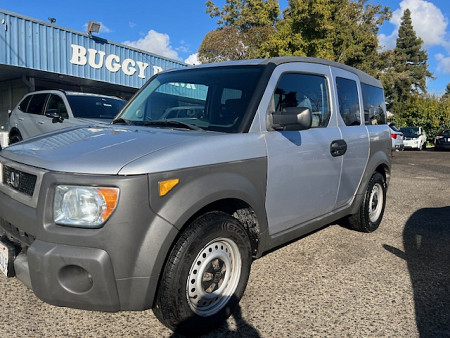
(442, 140)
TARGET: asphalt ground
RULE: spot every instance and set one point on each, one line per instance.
(394, 282)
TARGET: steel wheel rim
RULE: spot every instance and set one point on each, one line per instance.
(213, 277)
(375, 202)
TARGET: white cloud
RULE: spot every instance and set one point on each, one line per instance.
(428, 21)
(193, 59)
(131, 24)
(443, 63)
(154, 42)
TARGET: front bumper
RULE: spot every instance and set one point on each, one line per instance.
(70, 276)
(112, 268)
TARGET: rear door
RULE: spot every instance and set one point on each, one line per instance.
(303, 176)
(28, 122)
(354, 134)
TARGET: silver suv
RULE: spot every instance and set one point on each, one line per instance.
(49, 110)
(168, 212)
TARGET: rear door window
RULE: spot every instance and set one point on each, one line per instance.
(37, 103)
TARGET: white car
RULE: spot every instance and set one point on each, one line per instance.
(4, 126)
(414, 138)
(396, 137)
(50, 110)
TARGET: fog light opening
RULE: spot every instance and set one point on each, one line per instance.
(75, 279)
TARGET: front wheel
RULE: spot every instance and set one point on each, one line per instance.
(372, 207)
(205, 275)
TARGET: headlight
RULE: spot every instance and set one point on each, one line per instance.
(87, 207)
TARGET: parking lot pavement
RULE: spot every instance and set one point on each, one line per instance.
(394, 282)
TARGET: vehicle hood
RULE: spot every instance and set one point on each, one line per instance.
(95, 150)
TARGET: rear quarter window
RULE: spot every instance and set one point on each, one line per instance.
(24, 104)
(374, 105)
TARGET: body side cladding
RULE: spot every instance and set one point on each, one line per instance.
(228, 187)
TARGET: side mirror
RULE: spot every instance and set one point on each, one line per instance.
(54, 114)
(293, 118)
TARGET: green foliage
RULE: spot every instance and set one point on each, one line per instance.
(410, 64)
(345, 31)
(340, 30)
(447, 91)
(244, 14)
(424, 111)
(244, 25)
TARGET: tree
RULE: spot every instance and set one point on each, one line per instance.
(447, 92)
(411, 63)
(243, 26)
(426, 111)
(340, 30)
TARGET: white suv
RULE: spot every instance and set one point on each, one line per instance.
(49, 110)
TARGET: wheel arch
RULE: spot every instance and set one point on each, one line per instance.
(380, 162)
(14, 131)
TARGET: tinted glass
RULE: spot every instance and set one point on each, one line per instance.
(36, 105)
(95, 107)
(24, 104)
(374, 105)
(303, 90)
(213, 99)
(410, 131)
(56, 102)
(348, 101)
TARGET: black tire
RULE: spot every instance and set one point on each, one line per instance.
(371, 211)
(205, 275)
(15, 137)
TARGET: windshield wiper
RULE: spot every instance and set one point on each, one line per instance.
(121, 120)
(171, 123)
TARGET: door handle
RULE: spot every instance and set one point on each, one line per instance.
(338, 148)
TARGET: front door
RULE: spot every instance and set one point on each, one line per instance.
(303, 175)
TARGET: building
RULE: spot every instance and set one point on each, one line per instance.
(36, 55)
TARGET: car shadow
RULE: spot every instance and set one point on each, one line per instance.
(240, 328)
(426, 241)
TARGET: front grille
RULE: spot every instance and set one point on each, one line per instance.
(19, 180)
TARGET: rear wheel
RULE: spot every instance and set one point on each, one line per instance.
(205, 275)
(371, 210)
(15, 137)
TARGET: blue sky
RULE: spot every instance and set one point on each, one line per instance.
(175, 28)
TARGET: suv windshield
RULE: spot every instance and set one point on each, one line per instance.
(208, 98)
(410, 131)
(95, 107)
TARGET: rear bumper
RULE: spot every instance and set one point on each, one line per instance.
(442, 146)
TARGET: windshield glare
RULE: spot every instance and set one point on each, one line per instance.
(213, 99)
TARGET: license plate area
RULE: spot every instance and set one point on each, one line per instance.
(7, 255)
